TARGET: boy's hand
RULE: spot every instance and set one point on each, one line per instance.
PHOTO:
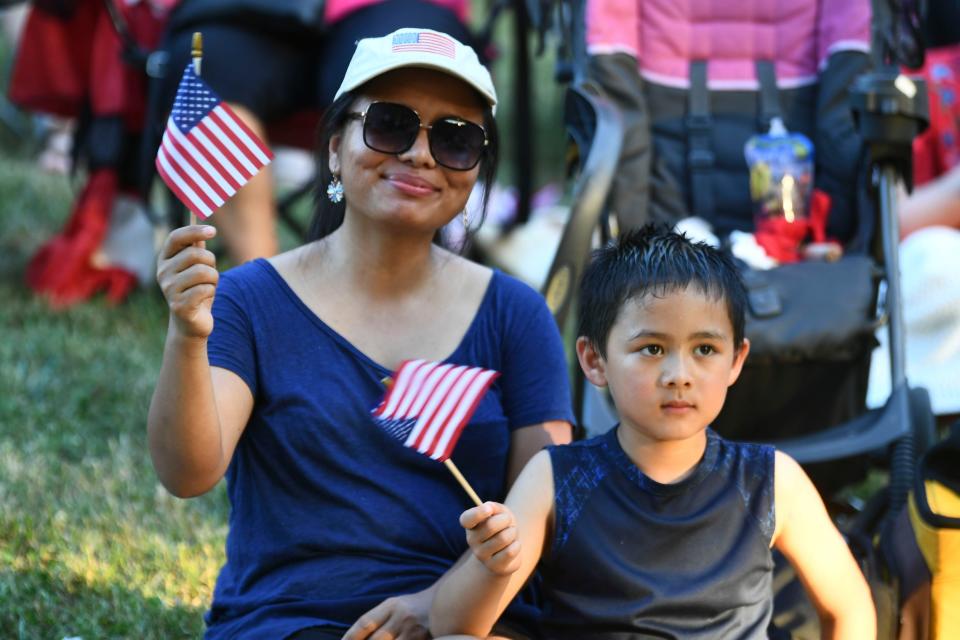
(187, 274)
(492, 535)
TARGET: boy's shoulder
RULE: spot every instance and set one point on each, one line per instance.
(747, 449)
(592, 457)
(588, 446)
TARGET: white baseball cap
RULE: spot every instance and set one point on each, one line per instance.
(417, 48)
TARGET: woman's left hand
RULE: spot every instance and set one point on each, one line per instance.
(399, 618)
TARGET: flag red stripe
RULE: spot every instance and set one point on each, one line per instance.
(249, 132)
(427, 389)
(173, 175)
(434, 430)
(215, 163)
(232, 141)
(421, 372)
(426, 418)
(212, 169)
(178, 166)
(237, 146)
(227, 170)
(398, 390)
(465, 419)
(172, 185)
(214, 136)
(448, 419)
(202, 172)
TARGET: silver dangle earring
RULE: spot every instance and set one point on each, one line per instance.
(335, 190)
(465, 219)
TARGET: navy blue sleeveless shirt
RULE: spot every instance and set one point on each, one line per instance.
(632, 558)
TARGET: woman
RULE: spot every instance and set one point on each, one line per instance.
(293, 54)
(334, 523)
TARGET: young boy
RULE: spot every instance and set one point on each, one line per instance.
(659, 528)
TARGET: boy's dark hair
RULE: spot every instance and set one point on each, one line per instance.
(655, 260)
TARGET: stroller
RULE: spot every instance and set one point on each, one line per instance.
(811, 324)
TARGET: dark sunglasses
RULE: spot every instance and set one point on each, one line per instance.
(393, 128)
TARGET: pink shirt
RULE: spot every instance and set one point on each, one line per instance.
(665, 35)
(334, 10)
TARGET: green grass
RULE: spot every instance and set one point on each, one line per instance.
(90, 544)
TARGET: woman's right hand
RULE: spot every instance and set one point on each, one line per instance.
(187, 274)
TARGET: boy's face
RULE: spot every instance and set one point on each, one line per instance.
(669, 363)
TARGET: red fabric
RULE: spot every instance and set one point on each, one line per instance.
(781, 240)
(62, 65)
(819, 212)
(62, 270)
(937, 150)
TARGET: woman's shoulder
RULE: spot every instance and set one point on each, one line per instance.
(251, 275)
(252, 285)
(510, 293)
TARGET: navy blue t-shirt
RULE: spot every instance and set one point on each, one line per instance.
(329, 514)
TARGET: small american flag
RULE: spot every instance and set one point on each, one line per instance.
(424, 41)
(207, 152)
(428, 404)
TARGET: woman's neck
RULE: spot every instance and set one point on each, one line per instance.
(380, 261)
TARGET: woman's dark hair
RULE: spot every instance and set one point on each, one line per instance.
(327, 216)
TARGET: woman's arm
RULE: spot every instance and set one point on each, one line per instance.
(806, 536)
(505, 545)
(198, 412)
(526, 442)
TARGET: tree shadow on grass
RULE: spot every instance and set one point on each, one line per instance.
(40, 604)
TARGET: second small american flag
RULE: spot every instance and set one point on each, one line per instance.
(207, 152)
(428, 404)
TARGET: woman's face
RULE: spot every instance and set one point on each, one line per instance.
(407, 190)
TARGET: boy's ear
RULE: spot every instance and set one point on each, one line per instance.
(591, 362)
(738, 359)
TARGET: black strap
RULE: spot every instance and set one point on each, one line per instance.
(700, 158)
(133, 53)
(769, 96)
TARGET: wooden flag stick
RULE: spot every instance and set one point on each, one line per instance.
(196, 51)
(463, 481)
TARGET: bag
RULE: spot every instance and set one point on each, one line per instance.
(811, 330)
(811, 310)
(276, 15)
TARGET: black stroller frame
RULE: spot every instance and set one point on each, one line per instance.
(890, 110)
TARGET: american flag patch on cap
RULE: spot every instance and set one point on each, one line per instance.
(425, 42)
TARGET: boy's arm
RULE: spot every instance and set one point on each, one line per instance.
(506, 544)
(807, 537)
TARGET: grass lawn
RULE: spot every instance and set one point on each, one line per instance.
(90, 544)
